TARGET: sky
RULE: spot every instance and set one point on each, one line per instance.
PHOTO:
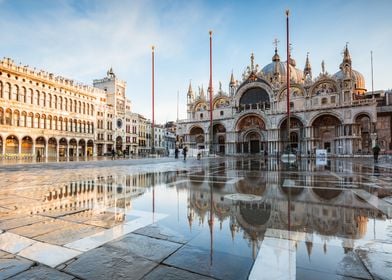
(82, 39)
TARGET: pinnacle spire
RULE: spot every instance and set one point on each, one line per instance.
(308, 67)
(232, 81)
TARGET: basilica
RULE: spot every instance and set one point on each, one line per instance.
(330, 111)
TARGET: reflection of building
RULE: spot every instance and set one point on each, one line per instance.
(301, 202)
(330, 112)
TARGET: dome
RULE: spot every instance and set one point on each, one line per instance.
(296, 75)
(358, 78)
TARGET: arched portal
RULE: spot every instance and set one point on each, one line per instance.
(63, 145)
(40, 144)
(219, 138)
(90, 147)
(27, 145)
(251, 135)
(72, 148)
(52, 147)
(11, 145)
(364, 131)
(296, 134)
(1, 144)
(325, 129)
(82, 148)
(196, 138)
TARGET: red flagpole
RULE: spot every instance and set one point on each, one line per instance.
(210, 89)
(288, 79)
(153, 120)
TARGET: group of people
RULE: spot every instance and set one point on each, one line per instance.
(184, 152)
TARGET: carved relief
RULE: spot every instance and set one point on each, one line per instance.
(324, 88)
(251, 122)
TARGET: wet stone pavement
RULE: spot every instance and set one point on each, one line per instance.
(215, 218)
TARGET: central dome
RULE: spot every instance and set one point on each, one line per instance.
(277, 66)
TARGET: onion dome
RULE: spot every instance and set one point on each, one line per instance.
(279, 67)
(346, 72)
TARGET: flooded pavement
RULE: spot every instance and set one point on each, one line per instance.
(218, 218)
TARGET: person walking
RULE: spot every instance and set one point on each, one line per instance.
(184, 151)
(113, 154)
(376, 151)
(176, 151)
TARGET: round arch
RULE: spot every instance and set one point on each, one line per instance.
(219, 138)
(12, 145)
(40, 144)
(250, 130)
(363, 128)
(325, 132)
(296, 133)
(27, 145)
(52, 147)
(63, 146)
(196, 137)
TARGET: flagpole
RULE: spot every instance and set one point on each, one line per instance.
(210, 92)
(153, 120)
(371, 61)
(288, 82)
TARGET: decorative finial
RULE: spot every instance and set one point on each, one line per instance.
(275, 43)
(153, 48)
(210, 32)
(287, 12)
(252, 59)
(323, 67)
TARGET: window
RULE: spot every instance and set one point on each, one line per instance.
(333, 99)
(324, 101)
(221, 113)
(201, 115)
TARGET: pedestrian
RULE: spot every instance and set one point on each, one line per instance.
(376, 151)
(184, 150)
(124, 152)
(176, 151)
(113, 154)
(38, 156)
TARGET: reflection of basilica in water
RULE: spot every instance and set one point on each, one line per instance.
(316, 202)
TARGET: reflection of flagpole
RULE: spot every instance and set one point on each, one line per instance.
(211, 225)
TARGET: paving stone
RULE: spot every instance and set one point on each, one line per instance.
(306, 274)
(12, 266)
(95, 218)
(68, 234)
(331, 259)
(146, 247)
(218, 265)
(41, 228)
(379, 264)
(21, 221)
(42, 273)
(162, 232)
(109, 263)
(164, 272)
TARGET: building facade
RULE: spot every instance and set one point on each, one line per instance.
(48, 116)
(329, 112)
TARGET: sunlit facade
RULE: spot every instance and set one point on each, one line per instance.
(48, 116)
(329, 112)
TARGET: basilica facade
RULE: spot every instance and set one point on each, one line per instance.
(330, 111)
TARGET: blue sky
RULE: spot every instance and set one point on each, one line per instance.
(82, 39)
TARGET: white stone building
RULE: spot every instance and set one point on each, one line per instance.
(328, 112)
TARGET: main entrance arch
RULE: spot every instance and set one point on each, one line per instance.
(296, 134)
(219, 138)
(251, 135)
(325, 129)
